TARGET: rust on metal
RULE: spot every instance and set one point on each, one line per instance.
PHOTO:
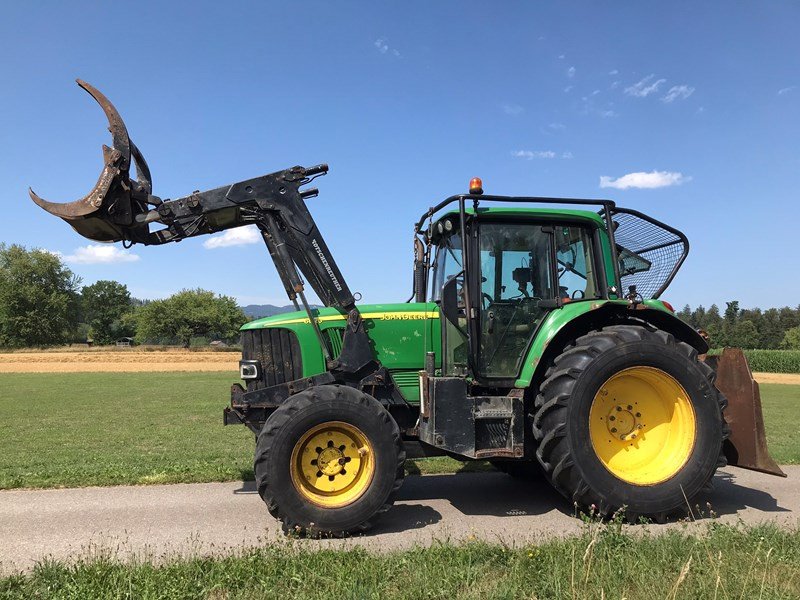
(747, 445)
(116, 165)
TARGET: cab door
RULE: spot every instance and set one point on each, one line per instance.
(517, 275)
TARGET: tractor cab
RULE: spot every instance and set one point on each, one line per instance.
(527, 263)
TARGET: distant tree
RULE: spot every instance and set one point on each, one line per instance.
(105, 303)
(38, 298)
(188, 314)
(743, 334)
(791, 339)
(712, 323)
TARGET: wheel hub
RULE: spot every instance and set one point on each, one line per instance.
(624, 421)
(332, 464)
(642, 425)
(331, 460)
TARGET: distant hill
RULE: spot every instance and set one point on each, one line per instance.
(256, 311)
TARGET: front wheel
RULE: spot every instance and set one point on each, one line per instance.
(629, 417)
(328, 461)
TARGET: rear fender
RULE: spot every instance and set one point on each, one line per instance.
(562, 326)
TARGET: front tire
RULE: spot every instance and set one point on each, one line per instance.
(328, 461)
(629, 417)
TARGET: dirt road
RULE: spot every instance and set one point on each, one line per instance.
(133, 360)
(200, 519)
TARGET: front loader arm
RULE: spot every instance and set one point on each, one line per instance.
(122, 208)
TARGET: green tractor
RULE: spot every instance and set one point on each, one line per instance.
(534, 339)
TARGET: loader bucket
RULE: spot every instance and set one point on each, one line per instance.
(747, 445)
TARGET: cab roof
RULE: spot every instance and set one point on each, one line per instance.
(546, 213)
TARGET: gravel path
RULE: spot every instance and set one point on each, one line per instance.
(199, 519)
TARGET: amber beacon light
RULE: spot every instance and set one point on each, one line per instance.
(475, 185)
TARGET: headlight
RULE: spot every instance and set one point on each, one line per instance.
(249, 369)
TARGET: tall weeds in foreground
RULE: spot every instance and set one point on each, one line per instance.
(608, 560)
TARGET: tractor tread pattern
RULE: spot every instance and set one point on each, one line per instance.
(550, 409)
(282, 416)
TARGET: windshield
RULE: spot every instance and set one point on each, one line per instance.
(446, 264)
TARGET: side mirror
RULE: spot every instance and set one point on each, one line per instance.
(452, 300)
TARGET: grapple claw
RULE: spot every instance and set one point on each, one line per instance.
(108, 211)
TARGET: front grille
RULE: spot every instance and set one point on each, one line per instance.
(277, 350)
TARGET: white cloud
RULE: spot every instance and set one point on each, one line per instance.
(566, 155)
(615, 85)
(571, 72)
(557, 126)
(382, 44)
(561, 56)
(98, 254)
(512, 109)
(531, 154)
(614, 72)
(678, 92)
(568, 89)
(240, 236)
(642, 180)
(786, 90)
(644, 87)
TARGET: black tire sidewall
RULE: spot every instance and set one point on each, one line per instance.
(702, 461)
(338, 404)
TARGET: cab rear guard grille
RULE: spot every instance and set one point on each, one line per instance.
(649, 252)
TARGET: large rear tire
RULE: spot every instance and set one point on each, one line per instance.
(329, 461)
(629, 417)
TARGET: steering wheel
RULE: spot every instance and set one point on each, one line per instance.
(576, 292)
(484, 298)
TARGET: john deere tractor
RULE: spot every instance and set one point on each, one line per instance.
(534, 338)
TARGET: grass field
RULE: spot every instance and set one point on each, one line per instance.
(603, 562)
(79, 429)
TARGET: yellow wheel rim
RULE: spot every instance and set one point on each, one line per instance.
(642, 425)
(332, 464)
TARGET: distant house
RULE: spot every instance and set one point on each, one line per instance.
(218, 344)
(125, 342)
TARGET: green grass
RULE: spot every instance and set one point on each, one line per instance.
(82, 429)
(605, 561)
(781, 405)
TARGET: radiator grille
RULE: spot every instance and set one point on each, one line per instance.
(277, 350)
(335, 337)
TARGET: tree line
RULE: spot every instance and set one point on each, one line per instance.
(43, 303)
(753, 328)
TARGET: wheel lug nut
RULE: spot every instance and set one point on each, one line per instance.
(613, 430)
(612, 418)
(630, 407)
(638, 414)
(619, 409)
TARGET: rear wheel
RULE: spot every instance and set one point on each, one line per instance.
(629, 417)
(328, 461)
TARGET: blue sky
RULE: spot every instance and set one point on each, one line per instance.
(407, 101)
